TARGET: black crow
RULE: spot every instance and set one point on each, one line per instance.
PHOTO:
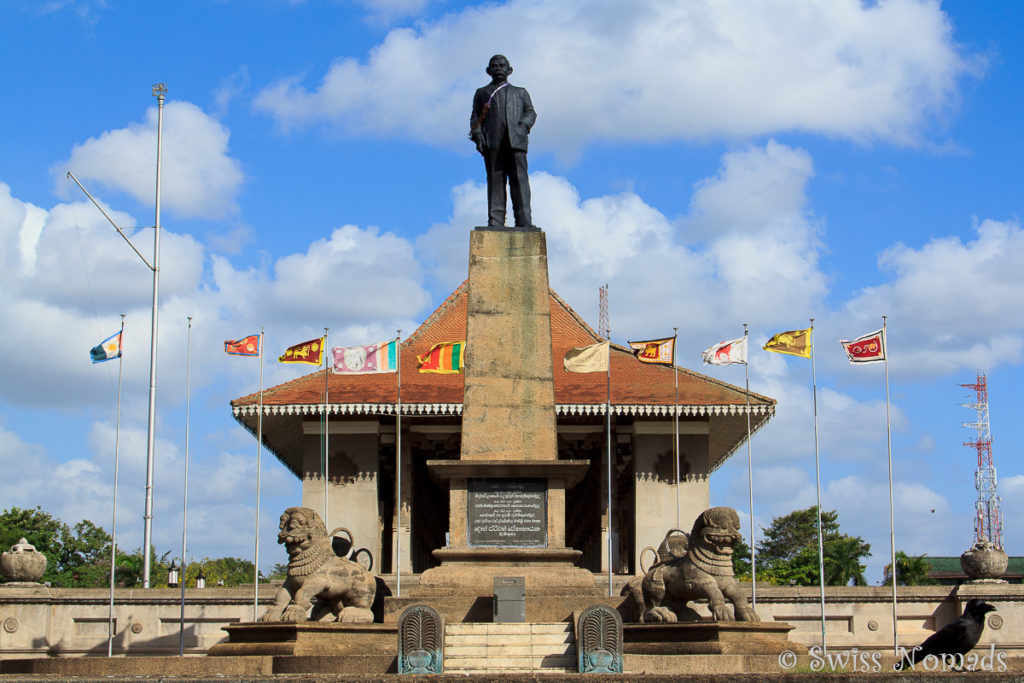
(955, 638)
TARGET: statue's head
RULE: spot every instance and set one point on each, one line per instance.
(300, 528)
(498, 68)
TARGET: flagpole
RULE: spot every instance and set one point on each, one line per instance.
(259, 469)
(398, 472)
(817, 474)
(184, 495)
(160, 91)
(750, 482)
(327, 438)
(892, 528)
(608, 412)
(113, 523)
(675, 421)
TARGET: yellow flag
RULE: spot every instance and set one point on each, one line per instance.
(794, 343)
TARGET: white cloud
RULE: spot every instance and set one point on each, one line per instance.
(68, 276)
(356, 275)
(651, 71)
(952, 305)
(199, 178)
(390, 10)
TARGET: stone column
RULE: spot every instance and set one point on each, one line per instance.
(509, 440)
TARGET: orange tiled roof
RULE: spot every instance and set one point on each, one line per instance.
(632, 382)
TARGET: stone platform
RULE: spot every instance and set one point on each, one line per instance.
(710, 638)
(309, 638)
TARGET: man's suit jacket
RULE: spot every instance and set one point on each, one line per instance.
(518, 117)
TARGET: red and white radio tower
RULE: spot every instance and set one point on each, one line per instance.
(988, 524)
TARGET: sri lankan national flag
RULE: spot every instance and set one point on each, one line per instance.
(445, 358)
(657, 351)
(311, 352)
(794, 343)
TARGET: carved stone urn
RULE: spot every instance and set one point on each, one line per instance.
(984, 562)
(23, 564)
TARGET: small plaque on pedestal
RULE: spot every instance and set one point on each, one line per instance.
(507, 512)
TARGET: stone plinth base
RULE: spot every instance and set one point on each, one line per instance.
(710, 638)
(106, 667)
(471, 572)
(480, 609)
(253, 668)
(311, 638)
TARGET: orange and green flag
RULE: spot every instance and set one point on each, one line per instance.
(794, 343)
(445, 358)
(311, 352)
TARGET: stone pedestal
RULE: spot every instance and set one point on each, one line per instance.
(710, 638)
(507, 490)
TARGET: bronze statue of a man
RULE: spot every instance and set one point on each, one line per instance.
(500, 126)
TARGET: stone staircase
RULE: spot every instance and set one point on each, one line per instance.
(471, 648)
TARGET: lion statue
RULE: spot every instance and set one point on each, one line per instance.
(339, 586)
(693, 566)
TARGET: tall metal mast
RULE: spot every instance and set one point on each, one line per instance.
(160, 92)
(988, 524)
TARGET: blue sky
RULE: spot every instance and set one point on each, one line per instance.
(714, 162)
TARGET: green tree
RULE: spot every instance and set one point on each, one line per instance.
(232, 571)
(741, 560)
(129, 568)
(788, 552)
(789, 534)
(279, 572)
(910, 571)
(75, 556)
(842, 561)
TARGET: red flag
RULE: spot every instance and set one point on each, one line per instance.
(247, 346)
(657, 351)
(311, 352)
(867, 349)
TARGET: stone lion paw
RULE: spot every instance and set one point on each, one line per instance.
(721, 612)
(660, 615)
(293, 613)
(355, 615)
(746, 614)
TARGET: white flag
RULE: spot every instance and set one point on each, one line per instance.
(593, 358)
(727, 353)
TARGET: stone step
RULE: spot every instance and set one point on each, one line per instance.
(509, 647)
(539, 663)
(527, 649)
(507, 628)
(553, 641)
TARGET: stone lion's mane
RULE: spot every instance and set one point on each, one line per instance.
(704, 556)
(319, 551)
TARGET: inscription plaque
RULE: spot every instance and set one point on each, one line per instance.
(507, 512)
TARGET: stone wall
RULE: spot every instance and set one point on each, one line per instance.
(862, 616)
(39, 622)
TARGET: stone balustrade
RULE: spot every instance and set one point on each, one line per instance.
(36, 621)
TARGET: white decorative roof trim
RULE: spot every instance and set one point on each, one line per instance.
(568, 409)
